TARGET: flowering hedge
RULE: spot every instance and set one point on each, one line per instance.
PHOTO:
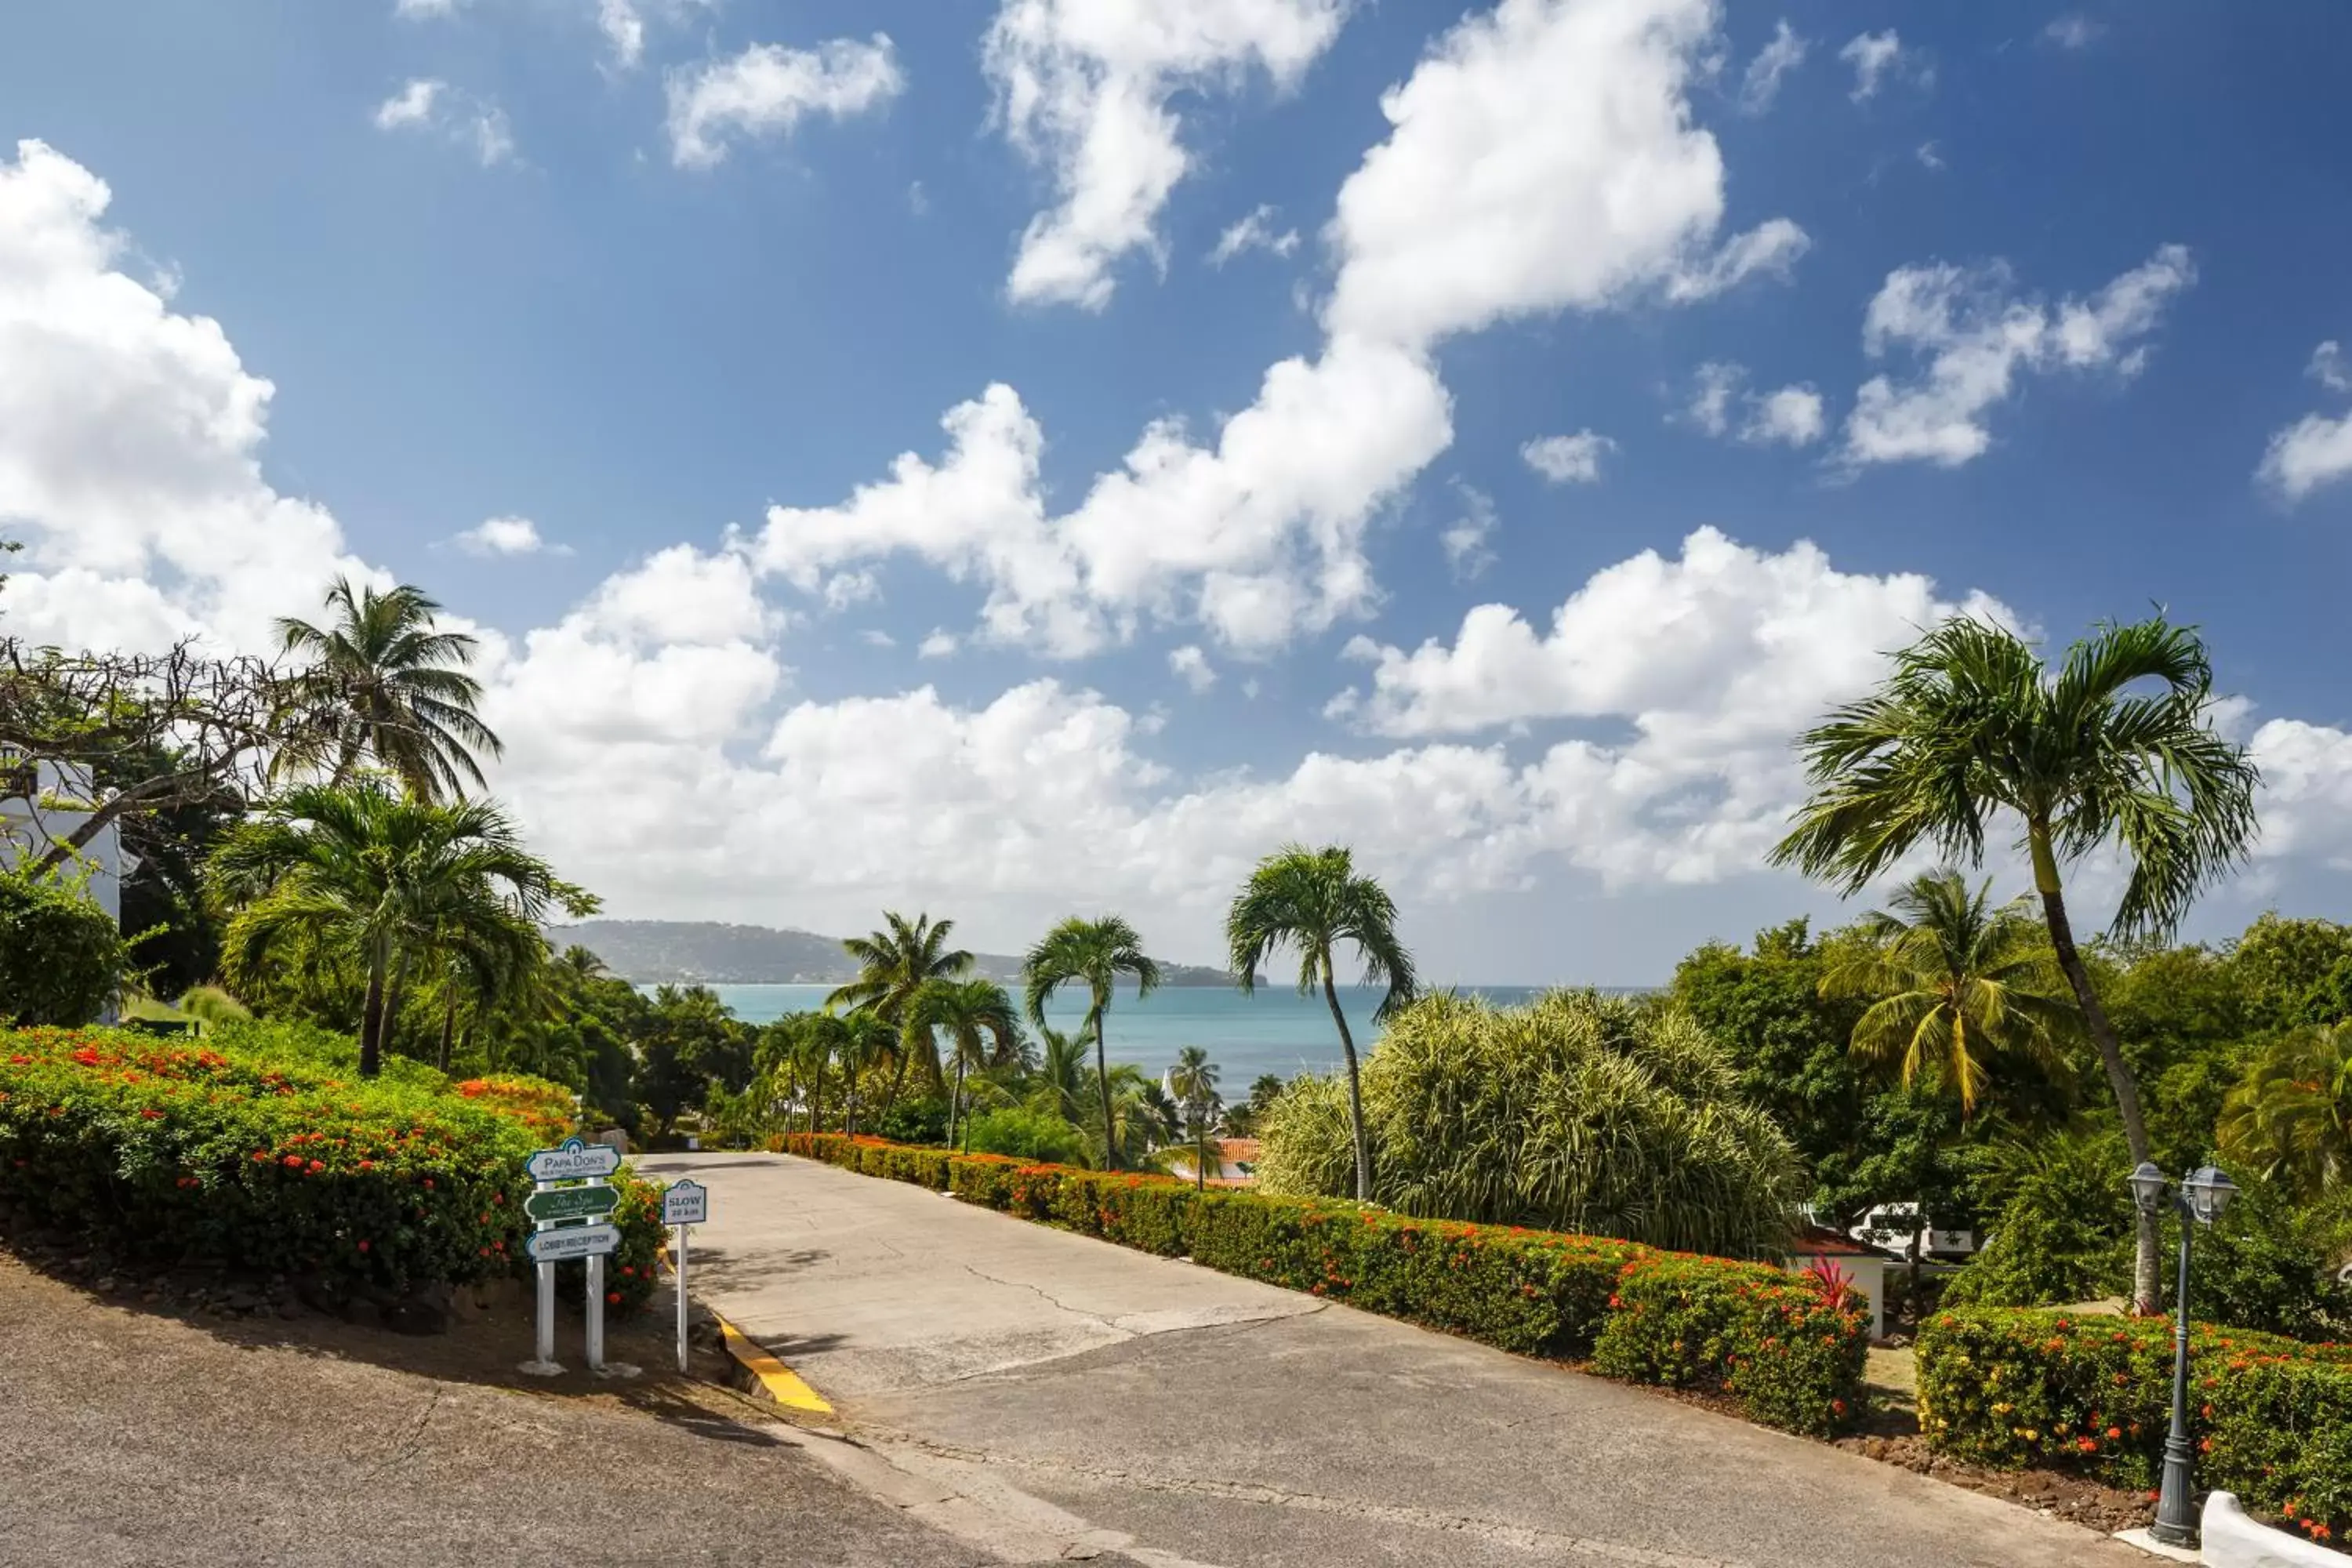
(2272, 1418)
(173, 1151)
(1788, 1348)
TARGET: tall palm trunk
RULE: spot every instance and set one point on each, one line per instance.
(816, 1101)
(1102, 1078)
(2146, 1254)
(1355, 1085)
(371, 1016)
(955, 1100)
(899, 1069)
(1201, 1155)
(449, 1018)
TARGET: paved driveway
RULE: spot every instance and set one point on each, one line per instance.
(1117, 1401)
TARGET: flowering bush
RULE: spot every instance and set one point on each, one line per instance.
(1788, 1347)
(2272, 1418)
(173, 1152)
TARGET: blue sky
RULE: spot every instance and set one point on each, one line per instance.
(641, 270)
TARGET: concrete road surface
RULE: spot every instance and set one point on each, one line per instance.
(1120, 1402)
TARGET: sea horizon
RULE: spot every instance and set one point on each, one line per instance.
(1272, 1030)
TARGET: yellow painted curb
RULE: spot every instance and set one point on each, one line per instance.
(782, 1382)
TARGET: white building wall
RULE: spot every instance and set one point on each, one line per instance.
(28, 829)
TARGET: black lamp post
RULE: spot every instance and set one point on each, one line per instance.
(2203, 1195)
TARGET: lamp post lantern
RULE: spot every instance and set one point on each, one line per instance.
(2201, 1200)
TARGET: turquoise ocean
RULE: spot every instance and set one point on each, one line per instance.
(1274, 1031)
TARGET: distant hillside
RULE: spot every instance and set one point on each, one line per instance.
(670, 952)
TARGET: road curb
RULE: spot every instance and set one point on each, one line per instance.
(777, 1381)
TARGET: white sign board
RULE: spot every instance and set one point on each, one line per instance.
(573, 1241)
(571, 1160)
(686, 1203)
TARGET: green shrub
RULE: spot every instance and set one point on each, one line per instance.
(253, 1158)
(923, 1121)
(1789, 1351)
(1026, 1134)
(1577, 1112)
(2271, 1418)
(61, 958)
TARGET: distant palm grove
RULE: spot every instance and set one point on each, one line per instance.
(318, 855)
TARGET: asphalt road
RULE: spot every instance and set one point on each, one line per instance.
(129, 1437)
(1076, 1391)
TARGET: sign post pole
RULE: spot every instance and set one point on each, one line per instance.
(684, 1204)
(542, 1362)
(572, 1222)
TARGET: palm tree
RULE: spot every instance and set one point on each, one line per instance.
(982, 1030)
(1059, 1083)
(894, 963)
(384, 684)
(1971, 723)
(815, 1041)
(2290, 1120)
(1313, 900)
(360, 871)
(1095, 954)
(1952, 981)
(1193, 1082)
(863, 1043)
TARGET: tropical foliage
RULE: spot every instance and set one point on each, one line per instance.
(61, 958)
(361, 877)
(1093, 954)
(1952, 984)
(382, 685)
(1312, 901)
(1576, 1113)
(2116, 750)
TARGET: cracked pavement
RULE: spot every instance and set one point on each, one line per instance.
(1037, 1392)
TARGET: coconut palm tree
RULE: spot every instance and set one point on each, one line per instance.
(893, 964)
(1193, 1082)
(1059, 1083)
(1952, 983)
(982, 1030)
(360, 871)
(814, 1040)
(384, 684)
(2290, 1120)
(1094, 953)
(863, 1043)
(2117, 747)
(1313, 900)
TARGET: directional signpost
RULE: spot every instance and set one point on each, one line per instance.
(569, 1222)
(684, 1204)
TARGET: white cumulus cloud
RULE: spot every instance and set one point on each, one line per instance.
(1975, 337)
(1720, 405)
(1760, 83)
(1255, 230)
(768, 90)
(1191, 667)
(1568, 459)
(427, 104)
(1464, 540)
(1085, 89)
(1874, 57)
(507, 536)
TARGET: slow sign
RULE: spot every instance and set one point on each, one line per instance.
(686, 1203)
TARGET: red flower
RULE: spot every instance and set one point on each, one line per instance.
(295, 1161)
(150, 1114)
(363, 1247)
(613, 1297)
(2114, 1432)
(367, 1164)
(317, 1166)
